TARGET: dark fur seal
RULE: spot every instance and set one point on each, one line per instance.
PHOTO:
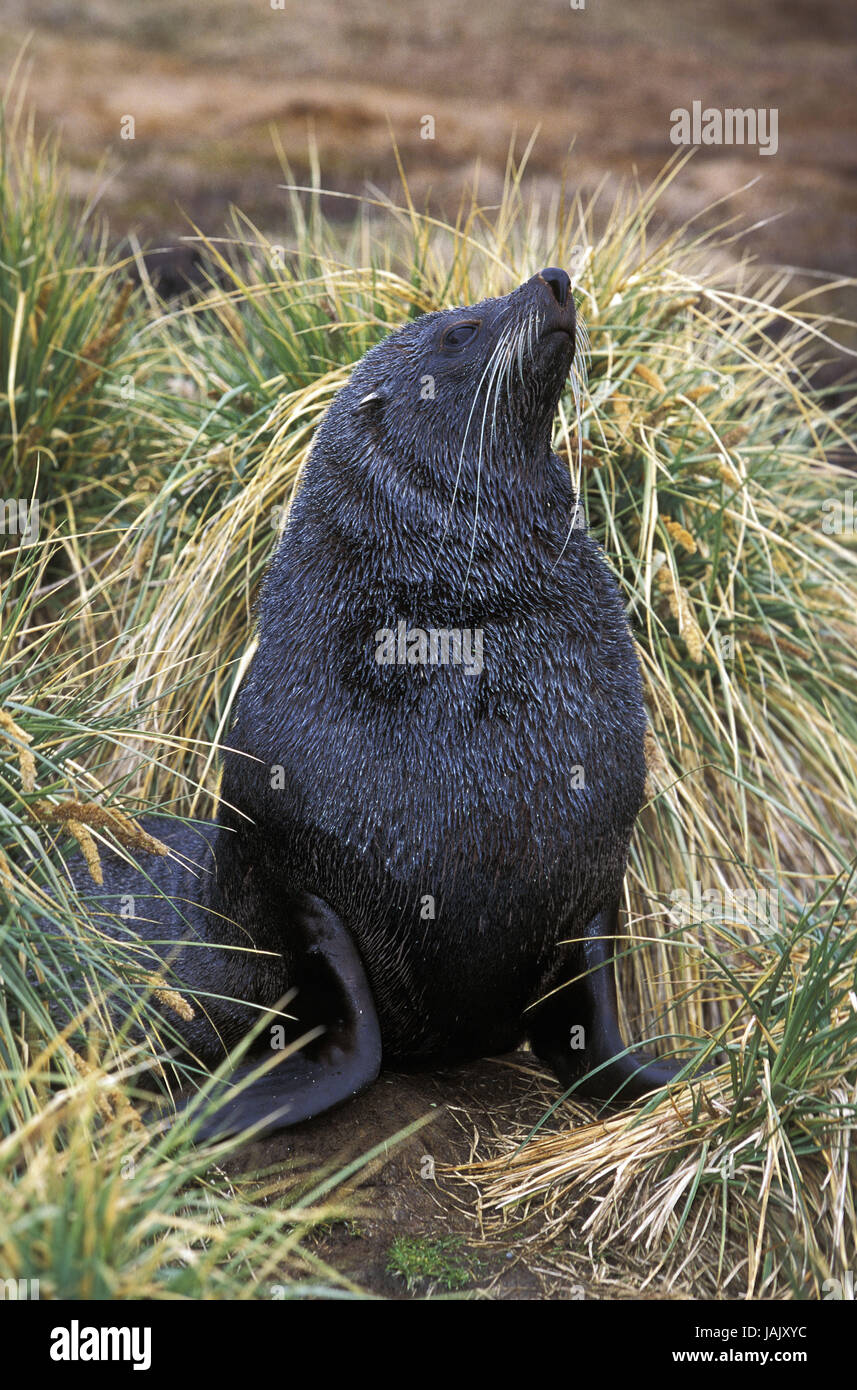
(407, 841)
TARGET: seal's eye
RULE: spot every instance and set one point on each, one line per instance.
(460, 334)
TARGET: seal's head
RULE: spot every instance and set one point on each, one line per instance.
(453, 389)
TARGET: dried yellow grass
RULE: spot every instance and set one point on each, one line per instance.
(622, 1186)
(26, 761)
(89, 813)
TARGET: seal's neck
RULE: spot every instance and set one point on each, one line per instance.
(400, 532)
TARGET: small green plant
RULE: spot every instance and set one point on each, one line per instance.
(444, 1263)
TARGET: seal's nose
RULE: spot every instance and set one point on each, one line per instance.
(559, 283)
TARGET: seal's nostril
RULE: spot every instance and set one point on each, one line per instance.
(559, 283)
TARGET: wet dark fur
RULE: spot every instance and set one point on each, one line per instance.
(403, 782)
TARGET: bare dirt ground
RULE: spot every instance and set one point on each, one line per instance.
(407, 1192)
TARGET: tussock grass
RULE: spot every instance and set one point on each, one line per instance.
(740, 1186)
(67, 321)
(707, 463)
(97, 1205)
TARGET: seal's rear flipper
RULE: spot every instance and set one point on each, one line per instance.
(589, 1003)
(333, 995)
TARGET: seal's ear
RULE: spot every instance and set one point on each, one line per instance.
(373, 402)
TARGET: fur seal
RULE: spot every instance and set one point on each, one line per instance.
(402, 839)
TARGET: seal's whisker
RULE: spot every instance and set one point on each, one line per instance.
(504, 385)
(582, 350)
(504, 358)
(578, 421)
(495, 360)
(522, 332)
(488, 367)
(501, 356)
(533, 323)
(578, 417)
(509, 349)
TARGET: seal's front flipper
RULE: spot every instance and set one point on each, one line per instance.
(589, 1003)
(333, 994)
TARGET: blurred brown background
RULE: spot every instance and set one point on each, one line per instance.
(206, 81)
